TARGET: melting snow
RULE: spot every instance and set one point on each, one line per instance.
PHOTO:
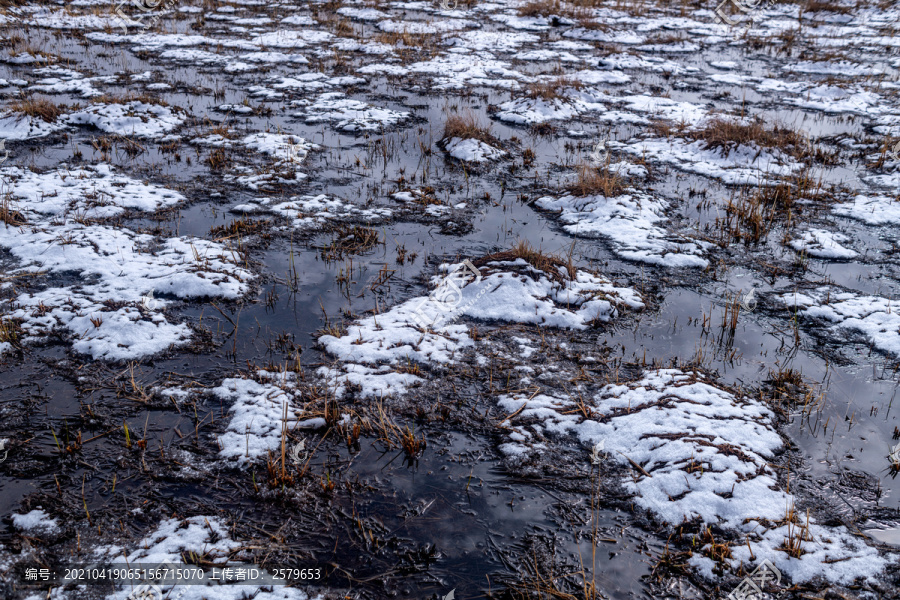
(705, 454)
(631, 223)
(104, 313)
(423, 329)
(873, 316)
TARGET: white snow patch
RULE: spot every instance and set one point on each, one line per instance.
(707, 454)
(104, 309)
(875, 317)
(308, 212)
(745, 165)
(283, 147)
(348, 114)
(822, 243)
(632, 224)
(17, 126)
(36, 520)
(472, 150)
(422, 329)
(874, 210)
(133, 118)
(256, 418)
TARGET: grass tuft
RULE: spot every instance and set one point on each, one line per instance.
(593, 181)
(240, 227)
(552, 89)
(726, 135)
(351, 239)
(39, 108)
(9, 215)
(467, 126)
(551, 265)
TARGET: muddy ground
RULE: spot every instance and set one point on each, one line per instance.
(220, 219)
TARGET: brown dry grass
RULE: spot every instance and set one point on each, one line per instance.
(40, 108)
(797, 533)
(468, 126)
(666, 129)
(425, 196)
(578, 11)
(790, 391)
(129, 97)
(410, 46)
(818, 6)
(547, 263)
(344, 28)
(217, 159)
(224, 131)
(540, 8)
(404, 38)
(551, 89)
(592, 181)
(725, 134)
(9, 215)
(717, 551)
(240, 227)
(10, 331)
(413, 447)
(350, 239)
(663, 40)
(752, 214)
(546, 8)
(43, 58)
